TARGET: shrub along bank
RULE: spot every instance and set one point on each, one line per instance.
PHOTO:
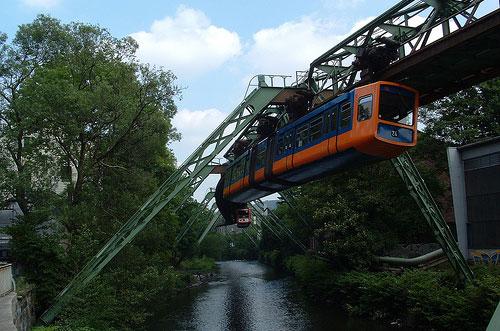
(415, 298)
(117, 300)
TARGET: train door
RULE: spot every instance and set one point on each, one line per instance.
(331, 128)
(259, 162)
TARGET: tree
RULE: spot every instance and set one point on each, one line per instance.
(73, 97)
(21, 159)
(465, 117)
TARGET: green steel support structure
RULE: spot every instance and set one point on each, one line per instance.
(203, 205)
(413, 24)
(269, 215)
(215, 217)
(419, 191)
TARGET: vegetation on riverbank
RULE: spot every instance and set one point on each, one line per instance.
(84, 135)
(120, 300)
(415, 298)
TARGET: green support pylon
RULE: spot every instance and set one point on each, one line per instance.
(268, 214)
(196, 215)
(210, 225)
(264, 222)
(419, 191)
(187, 177)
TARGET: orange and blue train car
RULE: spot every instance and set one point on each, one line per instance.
(367, 124)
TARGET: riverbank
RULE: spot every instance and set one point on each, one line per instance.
(413, 299)
(112, 306)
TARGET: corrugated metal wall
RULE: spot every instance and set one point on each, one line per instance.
(482, 182)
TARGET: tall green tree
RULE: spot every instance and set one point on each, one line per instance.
(24, 169)
(78, 108)
(465, 117)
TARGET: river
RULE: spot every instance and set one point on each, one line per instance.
(251, 296)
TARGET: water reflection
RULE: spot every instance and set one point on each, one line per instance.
(250, 296)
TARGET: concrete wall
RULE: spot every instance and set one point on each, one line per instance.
(6, 280)
(23, 311)
(475, 184)
(16, 311)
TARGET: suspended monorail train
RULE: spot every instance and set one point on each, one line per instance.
(367, 124)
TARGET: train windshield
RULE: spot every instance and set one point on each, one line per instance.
(396, 105)
(242, 213)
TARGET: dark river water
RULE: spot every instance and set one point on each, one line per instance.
(250, 296)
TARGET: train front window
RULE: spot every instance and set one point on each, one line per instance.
(242, 213)
(396, 105)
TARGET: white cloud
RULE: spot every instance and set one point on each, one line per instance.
(41, 3)
(195, 126)
(187, 43)
(291, 46)
(341, 4)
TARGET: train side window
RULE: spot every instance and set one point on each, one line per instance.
(345, 115)
(246, 167)
(233, 173)
(241, 169)
(365, 105)
(315, 127)
(238, 173)
(302, 135)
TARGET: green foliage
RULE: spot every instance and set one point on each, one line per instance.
(344, 237)
(42, 257)
(421, 299)
(234, 246)
(202, 264)
(79, 110)
(273, 258)
(467, 116)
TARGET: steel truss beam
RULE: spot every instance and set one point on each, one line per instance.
(196, 215)
(269, 215)
(215, 217)
(181, 184)
(411, 23)
(419, 191)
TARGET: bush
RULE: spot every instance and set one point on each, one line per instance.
(421, 299)
(201, 264)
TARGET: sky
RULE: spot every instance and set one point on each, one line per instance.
(213, 47)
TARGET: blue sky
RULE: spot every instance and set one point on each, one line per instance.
(214, 47)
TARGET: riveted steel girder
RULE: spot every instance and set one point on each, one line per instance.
(196, 215)
(413, 24)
